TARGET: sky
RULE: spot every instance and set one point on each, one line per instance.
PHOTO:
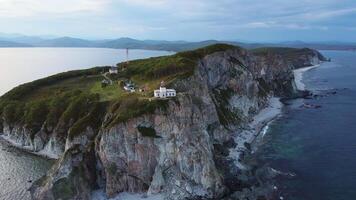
(191, 20)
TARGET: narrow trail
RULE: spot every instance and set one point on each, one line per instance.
(105, 75)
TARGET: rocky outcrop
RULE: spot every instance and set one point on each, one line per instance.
(72, 177)
(180, 156)
(180, 148)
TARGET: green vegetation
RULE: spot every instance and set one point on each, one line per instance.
(92, 119)
(147, 131)
(78, 106)
(131, 106)
(292, 55)
(77, 99)
(57, 107)
(63, 189)
(277, 50)
(108, 93)
(22, 91)
(35, 115)
(169, 68)
(12, 111)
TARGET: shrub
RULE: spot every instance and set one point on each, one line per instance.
(79, 106)
(13, 112)
(26, 89)
(147, 131)
(93, 119)
(36, 114)
(57, 106)
(131, 107)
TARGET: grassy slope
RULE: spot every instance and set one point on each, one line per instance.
(77, 96)
(290, 54)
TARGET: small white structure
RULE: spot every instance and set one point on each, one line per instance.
(113, 70)
(164, 92)
(129, 87)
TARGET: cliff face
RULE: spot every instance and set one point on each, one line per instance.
(178, 148)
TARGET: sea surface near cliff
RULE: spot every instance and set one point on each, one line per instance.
(317, 145)
(18, 169)
(20, 65)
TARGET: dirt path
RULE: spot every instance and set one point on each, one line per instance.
(105, 75)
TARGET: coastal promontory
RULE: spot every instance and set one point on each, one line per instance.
(106, 138)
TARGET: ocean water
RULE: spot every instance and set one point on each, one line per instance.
(18, 169)
(21, 65)
(318, 145)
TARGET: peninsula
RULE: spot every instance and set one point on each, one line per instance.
(190, 145)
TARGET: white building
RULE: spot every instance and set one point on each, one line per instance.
(113, 70)
(164, 92)
(129, 87)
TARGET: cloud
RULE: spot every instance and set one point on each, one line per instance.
(327, 14)
(168, 18)
(273, 24)
(145, 3)
(46, 8)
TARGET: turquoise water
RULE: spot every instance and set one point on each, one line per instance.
(318, 145)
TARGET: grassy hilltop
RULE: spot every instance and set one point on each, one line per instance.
(292, 55)
(77, 98)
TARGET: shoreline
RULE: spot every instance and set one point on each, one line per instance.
(261, 121)
(101, 195)
(298, 76)
(27, 149)
(254, 129)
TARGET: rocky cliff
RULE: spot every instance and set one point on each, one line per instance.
(174, 146)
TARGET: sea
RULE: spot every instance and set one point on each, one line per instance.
(21, 65)
(314, 142)
(19, 169)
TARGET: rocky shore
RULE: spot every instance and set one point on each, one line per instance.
(42, 153)
(253, 129)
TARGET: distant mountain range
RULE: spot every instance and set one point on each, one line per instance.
(12, 44)
(17, 40)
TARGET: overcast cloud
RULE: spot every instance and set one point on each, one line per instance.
(251, 20)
